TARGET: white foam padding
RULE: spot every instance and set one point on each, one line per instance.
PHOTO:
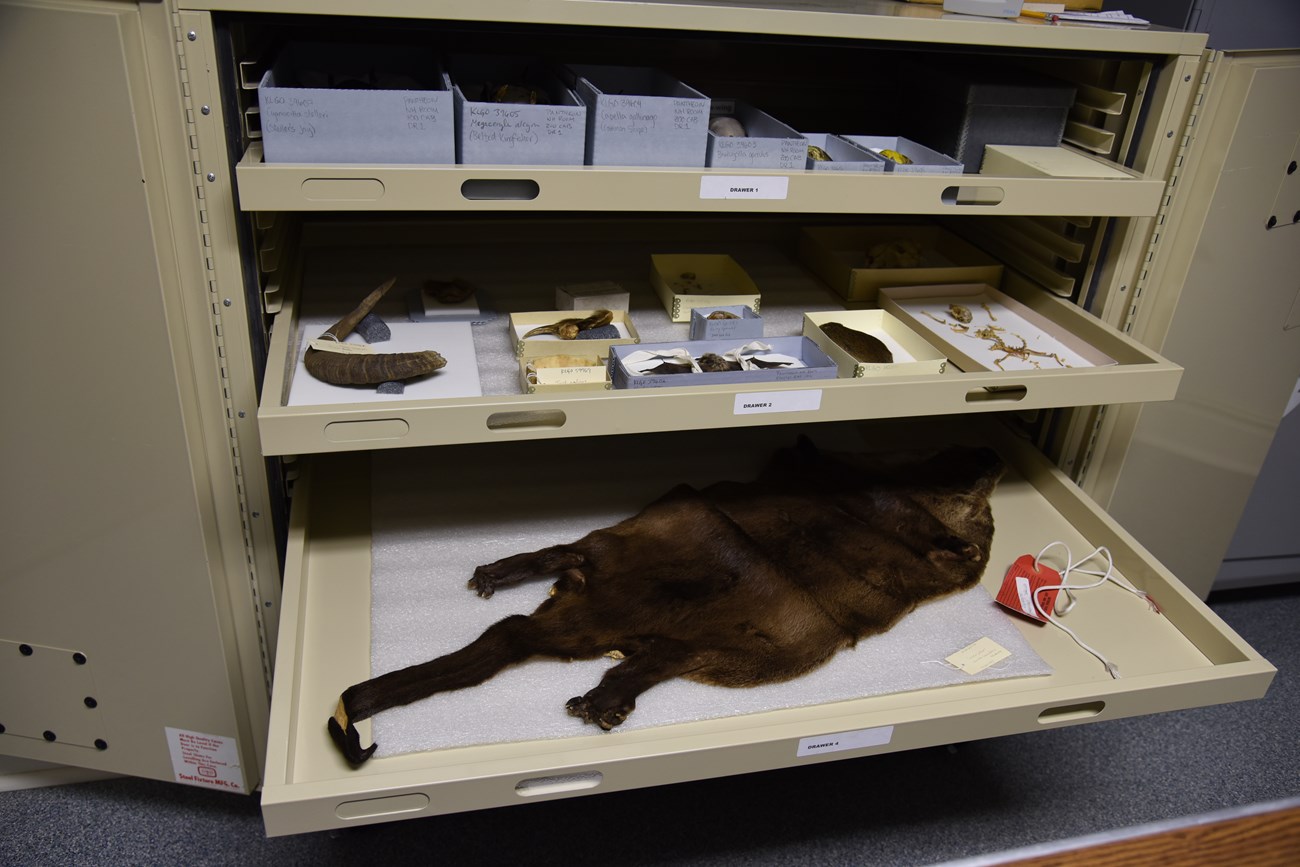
(428, 538)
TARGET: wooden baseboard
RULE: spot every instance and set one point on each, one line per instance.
(1264, 835)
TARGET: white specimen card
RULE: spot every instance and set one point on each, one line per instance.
(735, 187)
(208, 761)
(840, 741)
(976, 657)
(804, 400)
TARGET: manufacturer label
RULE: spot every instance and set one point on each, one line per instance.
(739, 187)
(209, 761)
(809, 400)
(815, 746)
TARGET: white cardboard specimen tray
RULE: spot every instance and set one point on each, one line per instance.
(340, 264)
(980, 328)
(1183, 658)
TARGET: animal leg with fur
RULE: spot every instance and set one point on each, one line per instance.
(504, 643)
(654, 661)
(522, 567)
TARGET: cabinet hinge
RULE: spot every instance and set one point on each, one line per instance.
(217, 304)
(1186, 141)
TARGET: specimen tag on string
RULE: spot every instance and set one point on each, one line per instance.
(976, 657)
(1023, 582)
(324, 344)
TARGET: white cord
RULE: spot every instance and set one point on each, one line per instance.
(1072, 567)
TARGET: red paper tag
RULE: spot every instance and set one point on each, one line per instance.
(1022, 584)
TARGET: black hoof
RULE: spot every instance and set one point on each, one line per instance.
(349, 743)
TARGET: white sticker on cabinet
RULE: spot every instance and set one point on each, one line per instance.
(808, 400)
(209, 761)
(855, 740)
(736, 187)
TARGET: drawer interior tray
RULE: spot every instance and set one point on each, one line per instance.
(476, 397)
(1183, 657)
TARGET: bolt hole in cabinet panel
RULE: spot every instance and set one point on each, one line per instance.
(803, 63)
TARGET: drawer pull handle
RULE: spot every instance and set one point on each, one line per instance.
(972, 196)
(1071, 712)
(556, 785)
(366, 429)
(1007, 393)
(534, 419)
(343, 189)
(500, 189)
(390, 805)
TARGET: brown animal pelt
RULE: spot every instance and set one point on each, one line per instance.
(736, 584)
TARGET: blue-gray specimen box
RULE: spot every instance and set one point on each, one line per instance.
(813, 364)
(638, 116)
(845, 156)
(924, 160)
(552, 132)
(745, 326)
(767, 144)
(365, 104)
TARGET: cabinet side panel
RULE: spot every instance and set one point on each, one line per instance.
(1190, 464)
(106, 535)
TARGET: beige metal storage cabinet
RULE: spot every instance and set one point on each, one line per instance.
(157, 263)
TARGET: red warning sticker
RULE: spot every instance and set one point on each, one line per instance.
(1023, 585)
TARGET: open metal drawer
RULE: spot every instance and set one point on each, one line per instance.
(333, 264)
(342, 187)
(1185, 658)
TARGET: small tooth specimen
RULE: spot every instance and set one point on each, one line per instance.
(722, 314)
(901, 159)
(372, 368)
(567, 329)
(818, 155)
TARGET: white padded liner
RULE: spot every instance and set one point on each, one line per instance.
(431, 529)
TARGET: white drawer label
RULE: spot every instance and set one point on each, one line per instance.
(735, 187)
(845, 741)
(809, 400)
